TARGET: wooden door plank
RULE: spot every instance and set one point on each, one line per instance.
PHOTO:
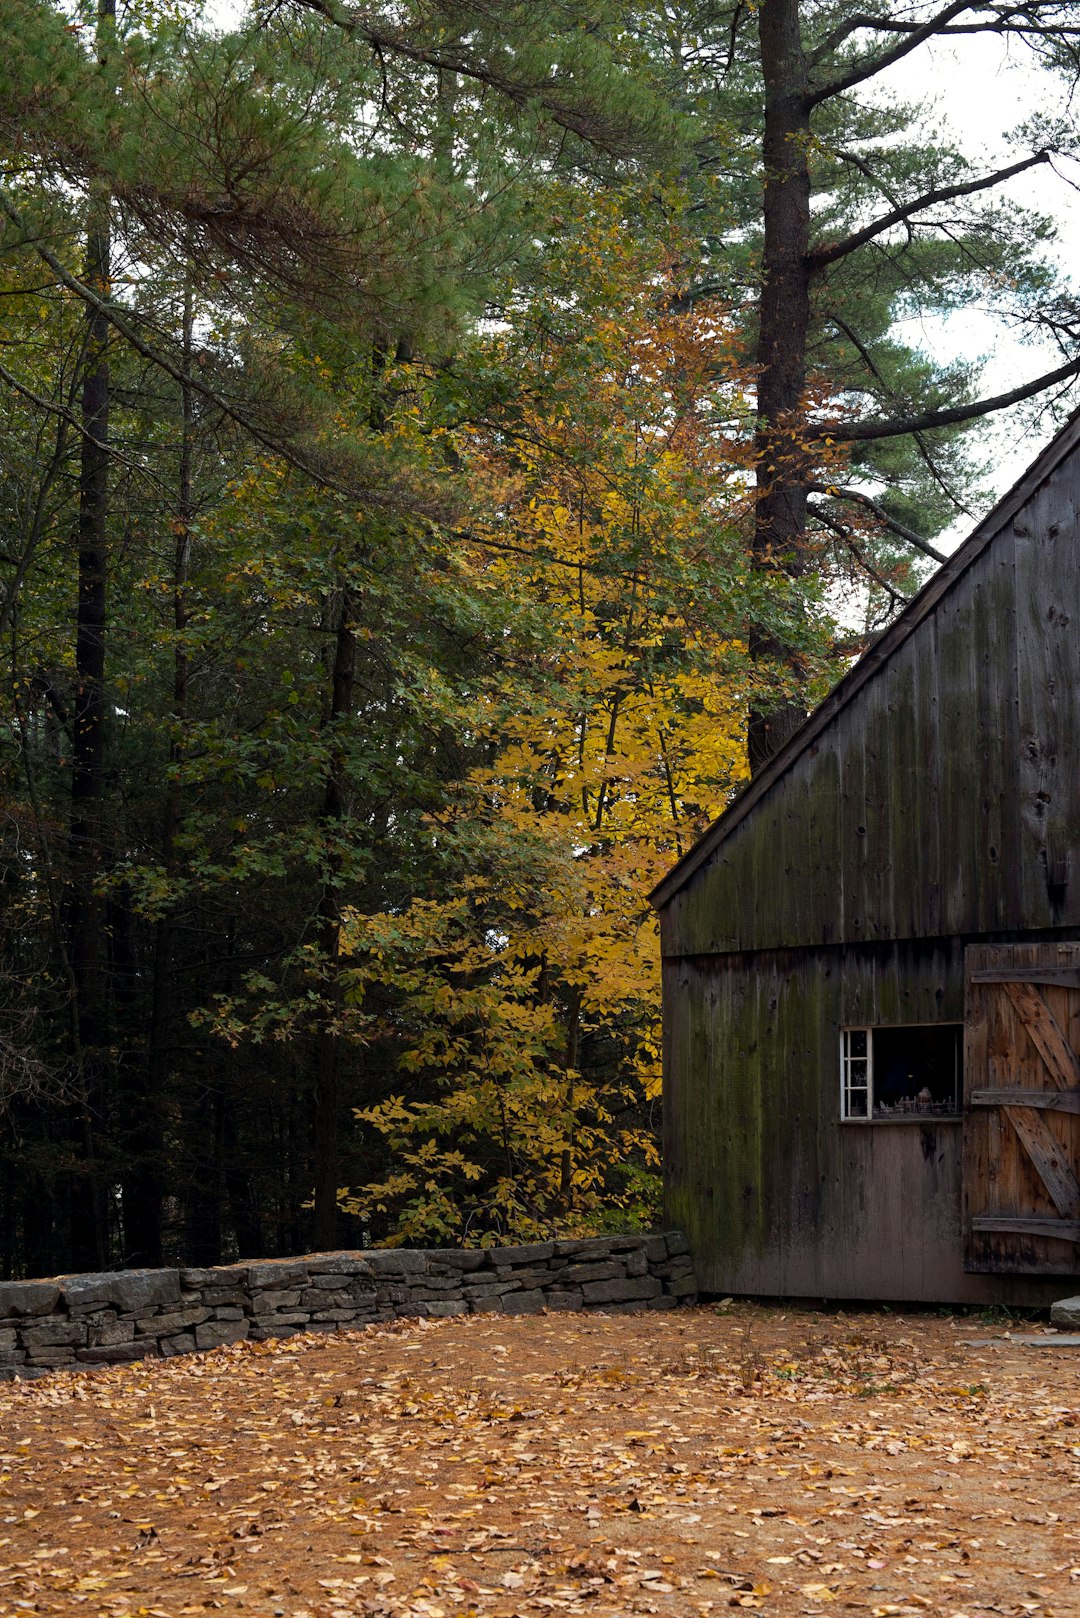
(1062, 1230)
(984, 1129)
(1045, 1152)
(1021, 1149)
(1051, 1100)
(1066, 977)
(1061, 1060)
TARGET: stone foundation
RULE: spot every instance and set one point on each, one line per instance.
(129, 1314)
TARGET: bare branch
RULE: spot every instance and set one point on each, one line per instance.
(64, 414)
(845, 534)
(683, 302)
(733, 37)
(921, 445)
(867, 172)
(857, 497)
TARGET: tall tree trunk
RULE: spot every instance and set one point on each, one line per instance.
(204, 1152)
(325, 1123)
(570, 1065)
(328, 1038)
(143, 1189)
(779, 446)
(86, 910)
(243, 1200)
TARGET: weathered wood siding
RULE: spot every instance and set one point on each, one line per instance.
(945, 793)
(778, 1197)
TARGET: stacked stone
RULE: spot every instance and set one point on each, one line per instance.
(612, 1273)
(322, 1292)
(129, 1314)
(92, 1319)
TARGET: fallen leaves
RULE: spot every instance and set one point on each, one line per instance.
(674, 1464)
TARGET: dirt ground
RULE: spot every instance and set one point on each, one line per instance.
(694, 1462)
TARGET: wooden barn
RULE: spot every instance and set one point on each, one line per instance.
(872, 959)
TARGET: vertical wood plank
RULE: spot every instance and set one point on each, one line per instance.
(960, 742)
(1020, 1163)
(1047, 534)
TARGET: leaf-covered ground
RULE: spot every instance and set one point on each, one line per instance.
(692, 1462)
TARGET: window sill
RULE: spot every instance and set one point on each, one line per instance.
(909, 1118)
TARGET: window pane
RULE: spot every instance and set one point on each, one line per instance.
(856, 1042)
(856, 1104)
(916, 1071)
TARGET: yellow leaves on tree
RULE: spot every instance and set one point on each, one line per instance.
(530, 993)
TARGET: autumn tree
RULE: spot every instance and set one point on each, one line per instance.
(382, 570)
(525, 998)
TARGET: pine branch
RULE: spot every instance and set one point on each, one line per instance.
(858, 432)
(869, 67)
(1017, 19)
(819, 257)
(1021, 20)
(548, 91)
(860, 21)
(274, 443)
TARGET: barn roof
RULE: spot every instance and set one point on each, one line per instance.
(871, 664)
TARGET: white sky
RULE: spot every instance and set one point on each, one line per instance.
(978, 89)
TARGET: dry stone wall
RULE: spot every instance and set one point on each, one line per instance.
(131, 1314)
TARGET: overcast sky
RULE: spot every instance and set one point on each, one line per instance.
(979, 89)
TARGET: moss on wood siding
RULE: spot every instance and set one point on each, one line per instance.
(777, 1195)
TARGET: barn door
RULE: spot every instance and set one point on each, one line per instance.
(1021, 1173)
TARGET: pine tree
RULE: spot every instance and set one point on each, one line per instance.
(859, 216)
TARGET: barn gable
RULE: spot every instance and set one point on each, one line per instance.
(906, 870)
(927, 796)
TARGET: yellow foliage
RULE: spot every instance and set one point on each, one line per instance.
(533, 992)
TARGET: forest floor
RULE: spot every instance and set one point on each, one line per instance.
(693, 1462)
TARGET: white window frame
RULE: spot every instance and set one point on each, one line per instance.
(847, 1062)
(846, 1087)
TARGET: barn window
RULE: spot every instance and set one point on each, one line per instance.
(901, 1072)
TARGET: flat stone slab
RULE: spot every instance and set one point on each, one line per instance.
(1060, 1339)
(337, 1264)
(216, 1275)
(276, 1274)
(397, 1261)
(28, 1297)
(130, 1290)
